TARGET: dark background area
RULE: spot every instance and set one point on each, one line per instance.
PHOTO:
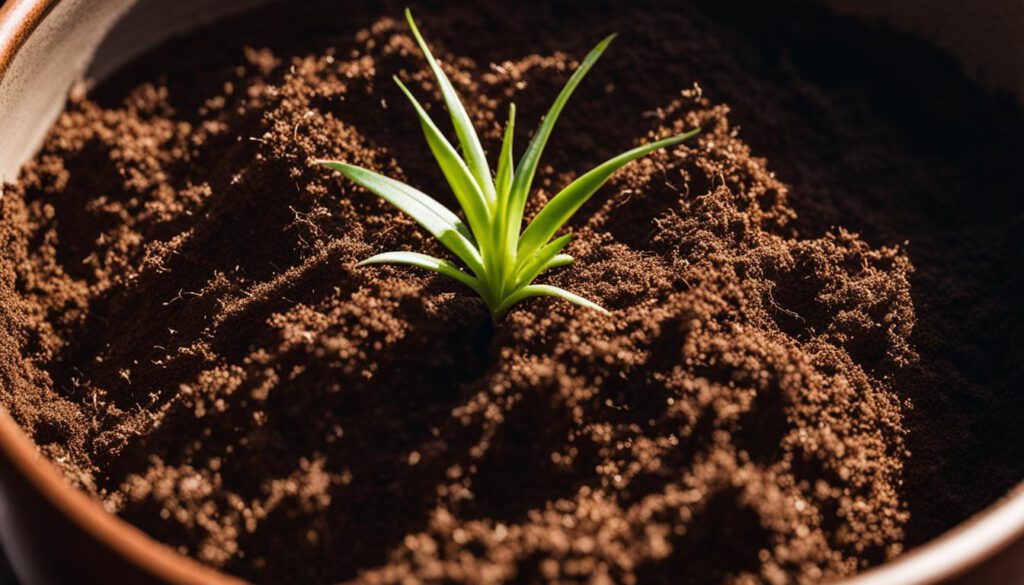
(6, 578)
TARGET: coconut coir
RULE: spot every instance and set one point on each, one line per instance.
(185, 334)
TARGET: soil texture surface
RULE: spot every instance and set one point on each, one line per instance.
(813, 358)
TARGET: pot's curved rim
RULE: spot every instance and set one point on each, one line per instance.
(126, 540)
(18, 18)
(953, 553)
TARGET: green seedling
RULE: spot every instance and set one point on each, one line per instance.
(502, 259)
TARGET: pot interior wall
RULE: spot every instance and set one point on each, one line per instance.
(82, 42)
(986, 38)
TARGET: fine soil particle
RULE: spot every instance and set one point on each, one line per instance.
(778, 396)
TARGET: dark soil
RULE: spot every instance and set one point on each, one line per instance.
(813, 359)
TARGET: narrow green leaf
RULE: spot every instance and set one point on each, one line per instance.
(531, 158)
(427, 262)
(455, 171)
(502, 249)
(559, 260)
(471, 147)
(538, 290)
(506, 168)
(434, 217)
(568, 201)
(532, 266)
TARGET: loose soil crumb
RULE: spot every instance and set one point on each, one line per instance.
(184, 331)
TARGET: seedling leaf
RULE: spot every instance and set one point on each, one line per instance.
(539, 290)
(532, 266)
(528, 164)
(471, 147)
(503, 261)
(465, 187)
(427, 262)
(568, 201)
(434, 217)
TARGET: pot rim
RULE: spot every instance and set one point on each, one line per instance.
(952, 553)
(87, 514)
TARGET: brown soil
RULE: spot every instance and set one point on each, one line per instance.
(775, 398)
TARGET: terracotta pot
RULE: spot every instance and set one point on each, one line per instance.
(53, 533)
